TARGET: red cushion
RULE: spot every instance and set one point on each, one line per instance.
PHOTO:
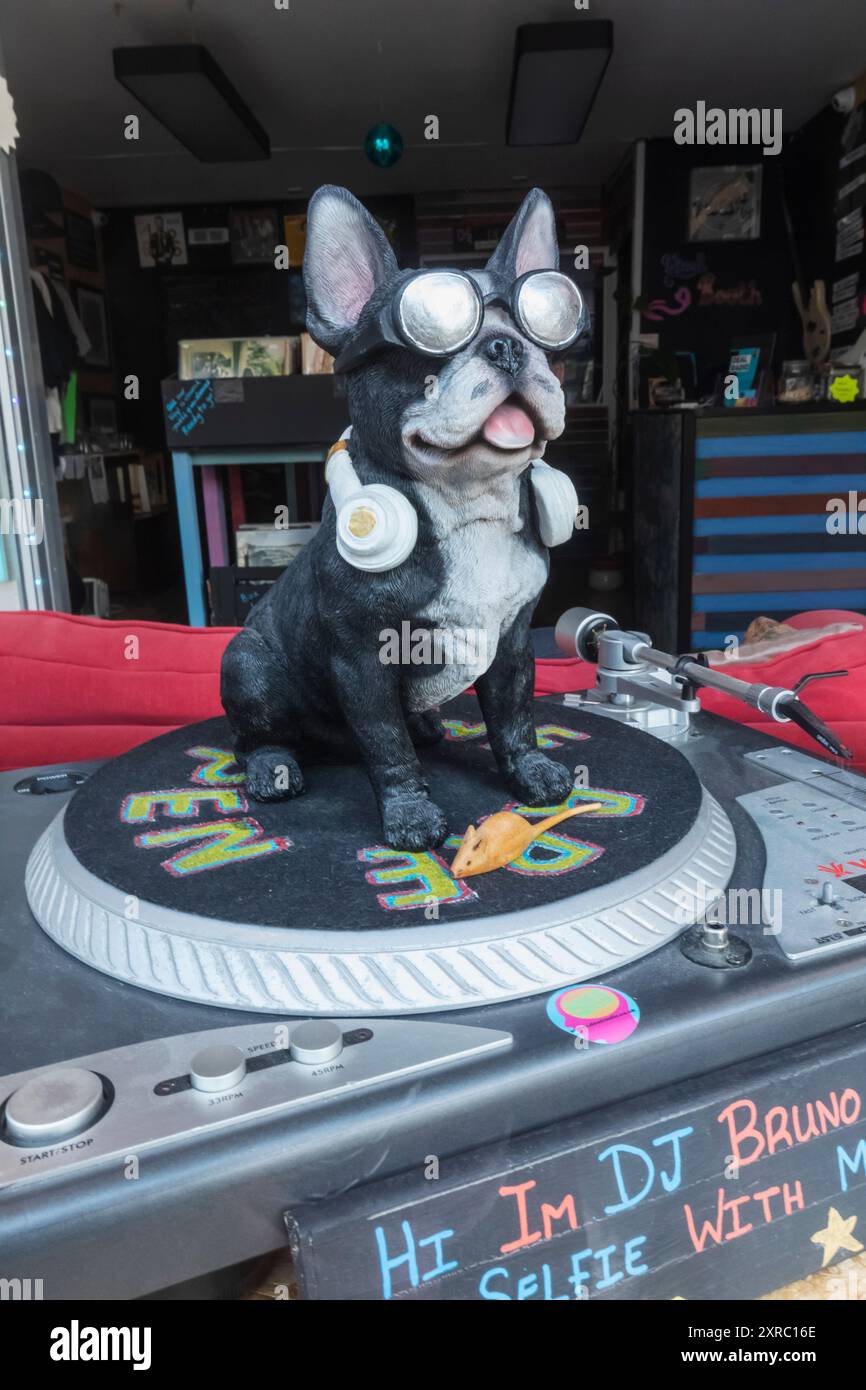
(822, 617)
(840, 702)
(76, 688)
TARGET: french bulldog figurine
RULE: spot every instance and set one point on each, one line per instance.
(451, 398)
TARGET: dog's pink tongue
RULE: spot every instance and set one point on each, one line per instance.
(509, 427)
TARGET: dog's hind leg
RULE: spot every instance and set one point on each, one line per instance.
(425, 728)
(255, 689)
(369, 696)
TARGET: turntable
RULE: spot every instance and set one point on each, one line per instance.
(271, 1013)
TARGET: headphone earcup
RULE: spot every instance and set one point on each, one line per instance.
(376, 525)
(555, 502)
(376, 528)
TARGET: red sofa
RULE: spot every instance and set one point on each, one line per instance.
(76, 688)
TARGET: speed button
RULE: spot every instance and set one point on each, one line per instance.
(320, 1040)
(218, 1068)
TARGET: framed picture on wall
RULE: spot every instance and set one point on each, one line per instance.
(91, 311)
(254, 235)
(725, 203)
(161, 240)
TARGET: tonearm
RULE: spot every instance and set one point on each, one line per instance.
(639, 684)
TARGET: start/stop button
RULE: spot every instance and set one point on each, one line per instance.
(54, 1105)
(46, 783)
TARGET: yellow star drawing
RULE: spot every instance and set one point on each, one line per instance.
(837, 1235)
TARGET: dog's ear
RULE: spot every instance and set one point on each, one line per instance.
(529, 241)
(346, 257)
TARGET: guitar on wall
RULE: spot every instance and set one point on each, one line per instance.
(811, 303)
(812, 308)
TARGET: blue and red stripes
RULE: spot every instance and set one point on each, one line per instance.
(761, 539)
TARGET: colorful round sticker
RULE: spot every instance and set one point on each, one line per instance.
(598, 1013)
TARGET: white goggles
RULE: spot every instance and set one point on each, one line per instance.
(438, 313)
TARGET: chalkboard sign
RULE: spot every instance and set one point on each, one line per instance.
(724, 1189)
(248, 412)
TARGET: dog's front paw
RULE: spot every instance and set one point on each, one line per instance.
(413, 821)
(538, 781)
(273, 775)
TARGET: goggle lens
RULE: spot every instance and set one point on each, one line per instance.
(550, 309)
(440, 312)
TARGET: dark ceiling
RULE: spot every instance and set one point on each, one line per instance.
(319, 73)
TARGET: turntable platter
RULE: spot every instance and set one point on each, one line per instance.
(161, 873)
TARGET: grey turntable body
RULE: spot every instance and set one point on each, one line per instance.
(185, 1158)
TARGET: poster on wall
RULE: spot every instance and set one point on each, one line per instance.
(253, 235)
(725, 203)
(295, 236)
(161, 240)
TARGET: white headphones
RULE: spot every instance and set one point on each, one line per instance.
(377, 526)
(555, 502)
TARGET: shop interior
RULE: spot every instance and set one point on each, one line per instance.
(179, 263)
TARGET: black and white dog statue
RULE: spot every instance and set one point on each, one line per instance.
(439, 516)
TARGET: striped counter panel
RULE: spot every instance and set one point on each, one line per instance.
(761, 544)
